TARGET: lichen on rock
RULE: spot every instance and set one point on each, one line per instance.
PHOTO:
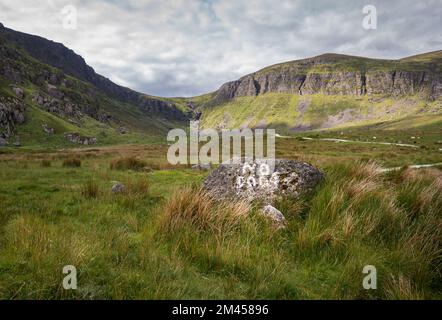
(251, 180)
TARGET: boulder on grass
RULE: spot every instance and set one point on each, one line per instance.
(118, 188)
(252, 180)
(275, 215)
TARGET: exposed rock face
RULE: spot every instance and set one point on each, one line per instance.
(12, 113)
(104, 117)
(54, 92)
(47, 129)
(329, 74)
(60, 106)
(18, 92)
(252, 180)
(58, 56)
(122, 130)
(79, 139)
(158, 106)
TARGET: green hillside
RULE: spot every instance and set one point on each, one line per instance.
(293, 113)
(34, 95)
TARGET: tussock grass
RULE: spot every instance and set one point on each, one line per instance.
(361, 215)
(162, 238)
(128, 163)
(135, 192)
(72, 162)
(228, 239)
(135, 164)
(358, 217)
(90, 189)
(192, 207)
(45, 163)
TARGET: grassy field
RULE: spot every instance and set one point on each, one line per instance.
(163, 238)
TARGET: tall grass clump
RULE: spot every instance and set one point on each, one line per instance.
(359, 216)
(226, 238)
(362, 217)
(137, 186)
(127, 163)
(45, 163)
(90, 189)
(72, 162)
(135, 192)
(193, 207)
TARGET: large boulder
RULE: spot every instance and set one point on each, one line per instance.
(254, 180)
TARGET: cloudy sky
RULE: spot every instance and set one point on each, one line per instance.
(190, 47)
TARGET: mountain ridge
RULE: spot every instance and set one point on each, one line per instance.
(43, 79)
(328, 91)
(59, 56)
(42, 102)
(340, 74)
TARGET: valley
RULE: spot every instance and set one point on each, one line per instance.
(85, 181)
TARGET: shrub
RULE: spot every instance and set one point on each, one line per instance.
(127, 163)
(137, 186)
(135, 191)
(45, 163)
(72, 162)
(90, 189)
(195, 208)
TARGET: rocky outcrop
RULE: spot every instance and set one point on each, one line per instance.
(18, 92)
(252, 180)
(161, 107)
(122, 130)
(63, 108)
(426, 84)
(68, 62)
(339, 75)
(79, 139)
(12, 113)
(48, 130)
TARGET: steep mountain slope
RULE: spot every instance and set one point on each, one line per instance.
(327, 91)
(49, 96)
(48, 92)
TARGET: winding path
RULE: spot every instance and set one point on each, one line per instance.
(353, 141)
(414, 166)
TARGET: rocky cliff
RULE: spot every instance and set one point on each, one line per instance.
(12, 113)
(42, 74)
(71, 64)
(333, 74)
